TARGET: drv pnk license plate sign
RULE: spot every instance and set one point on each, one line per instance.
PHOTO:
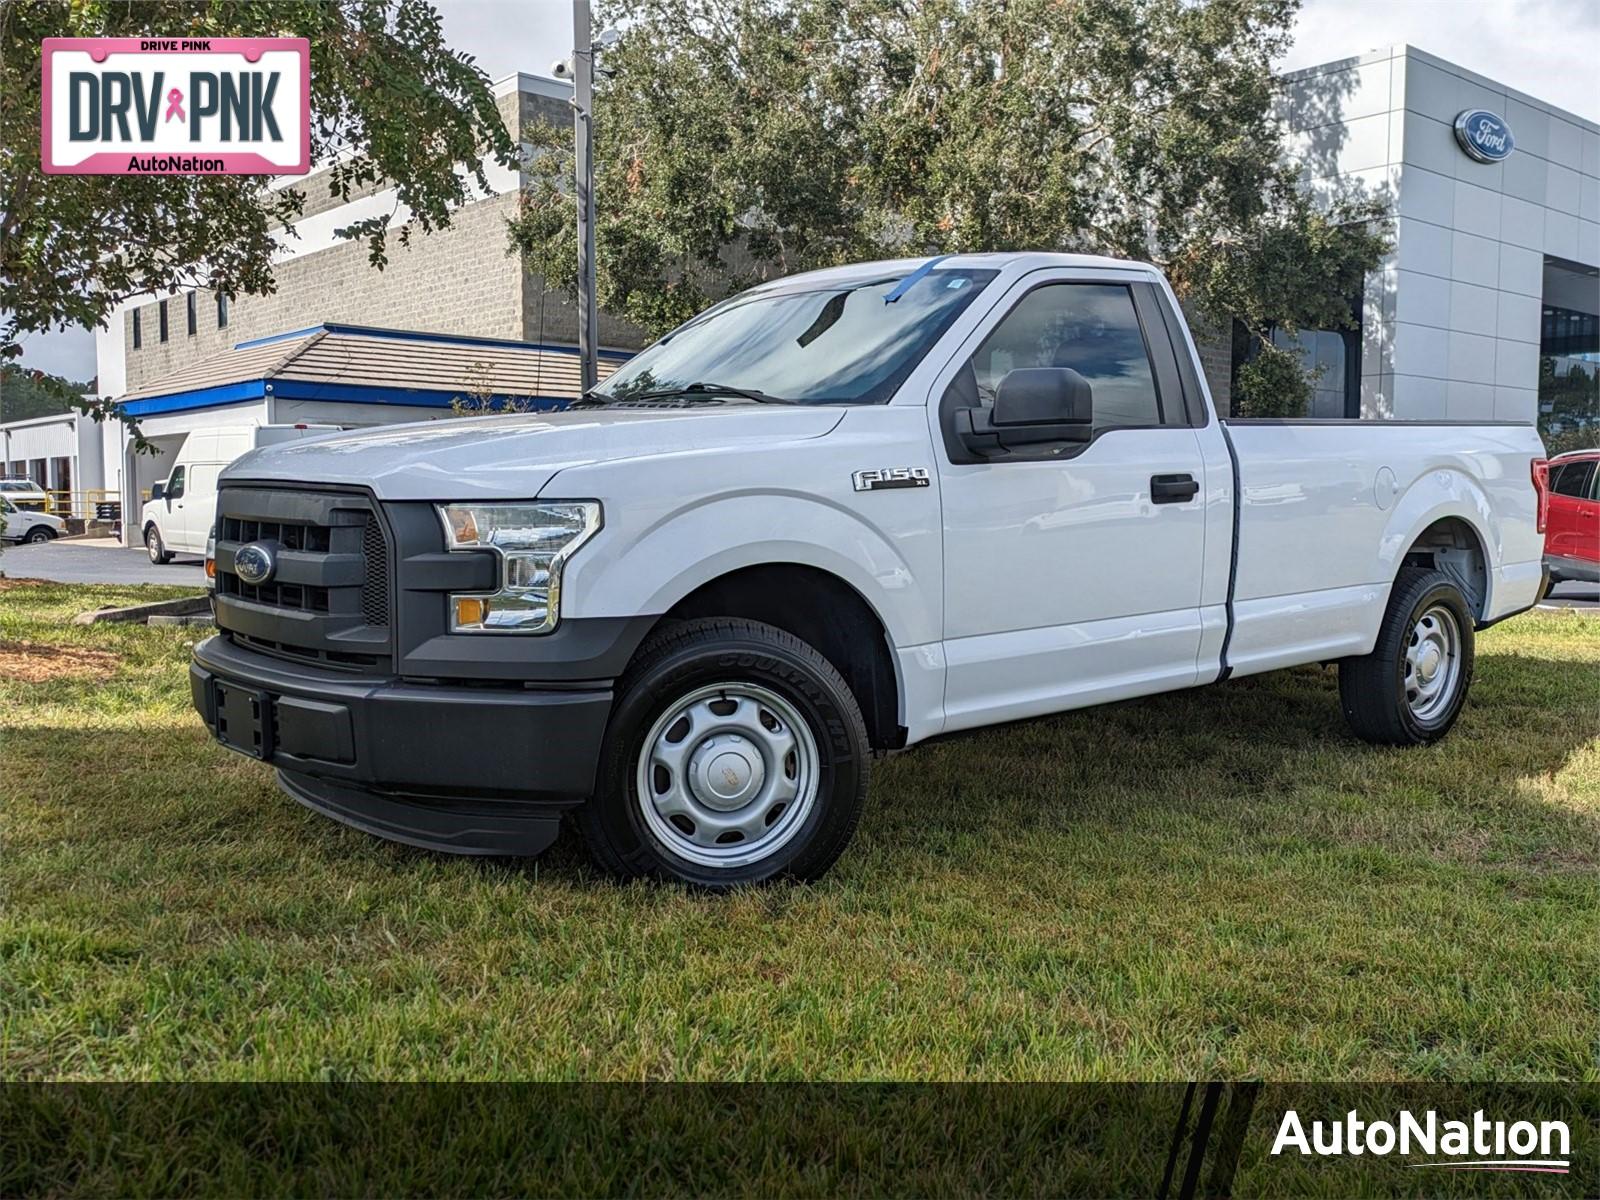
(177, 106)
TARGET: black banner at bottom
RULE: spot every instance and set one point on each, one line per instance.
(1104, 1140)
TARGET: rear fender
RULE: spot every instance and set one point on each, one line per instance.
(1435, 496)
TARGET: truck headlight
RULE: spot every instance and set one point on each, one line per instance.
(532, 541)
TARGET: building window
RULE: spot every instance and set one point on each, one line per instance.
(189, 312)
(1330, 357)
(162, 320)
(1569, 357)
(1325, 354)
(137, 339)
(222, 311)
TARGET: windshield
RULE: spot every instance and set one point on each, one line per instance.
(841, 345)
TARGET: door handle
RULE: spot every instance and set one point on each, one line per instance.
(1173, 489)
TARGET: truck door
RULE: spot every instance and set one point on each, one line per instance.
(1574, 515)
(177, 504)
(1073, 569)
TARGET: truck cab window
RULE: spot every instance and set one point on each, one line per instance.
(1090, 327)
(175, 484)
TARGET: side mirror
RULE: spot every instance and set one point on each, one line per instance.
(1043, 396)
(158, 491)
(1033, 406)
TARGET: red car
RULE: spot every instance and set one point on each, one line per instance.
(1572, 523)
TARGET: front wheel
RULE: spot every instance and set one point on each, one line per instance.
(1411, 688)
(39, 533)
(736, 754)
(159, 554)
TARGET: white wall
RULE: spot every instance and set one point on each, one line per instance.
(70, 436)
(1451, 321)
(41, 437)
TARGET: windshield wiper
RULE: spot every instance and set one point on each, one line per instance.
(703, 389)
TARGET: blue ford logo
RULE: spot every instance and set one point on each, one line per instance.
(254, 563)
(1484, 135)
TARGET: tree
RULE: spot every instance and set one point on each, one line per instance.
(742, 139)
(25, 393)
(391, 106)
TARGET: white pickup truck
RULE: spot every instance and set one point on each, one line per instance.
(835, 515)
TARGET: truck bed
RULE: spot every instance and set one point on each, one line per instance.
(1326, 508)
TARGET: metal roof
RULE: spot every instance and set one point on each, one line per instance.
(361, 364)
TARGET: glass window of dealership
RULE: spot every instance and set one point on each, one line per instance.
(1489, 305)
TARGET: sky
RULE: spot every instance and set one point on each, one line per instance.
(1547, 48)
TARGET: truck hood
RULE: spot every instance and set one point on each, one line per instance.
(489, 458)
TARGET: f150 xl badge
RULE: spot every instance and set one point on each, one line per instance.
(890, 477)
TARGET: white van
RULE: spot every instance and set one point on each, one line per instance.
(177, 517)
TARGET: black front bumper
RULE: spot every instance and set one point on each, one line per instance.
(468, 770)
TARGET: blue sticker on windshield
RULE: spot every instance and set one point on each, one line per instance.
(915, 277)
(956, 284)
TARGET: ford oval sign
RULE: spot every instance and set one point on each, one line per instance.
(1484, 135)
(254, 563)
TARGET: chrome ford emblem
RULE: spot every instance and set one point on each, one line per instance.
(1484, 135)
(254, 563)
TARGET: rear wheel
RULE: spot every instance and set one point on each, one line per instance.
(736, 754)
(154, 546)
(1411, 688)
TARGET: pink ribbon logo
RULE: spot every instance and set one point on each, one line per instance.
(175, 105)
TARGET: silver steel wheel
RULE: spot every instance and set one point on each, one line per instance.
(727, 775)
(1432, 663)
(152, 544)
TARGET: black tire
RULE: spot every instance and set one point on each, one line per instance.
(39, 533)
(155, 547)
(672, 664)
(1374, 690)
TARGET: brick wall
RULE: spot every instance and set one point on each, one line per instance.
(455, 280)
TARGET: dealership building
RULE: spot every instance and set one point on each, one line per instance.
(1489, 301)
(1487, 308)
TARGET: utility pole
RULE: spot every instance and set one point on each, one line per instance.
(583, 133)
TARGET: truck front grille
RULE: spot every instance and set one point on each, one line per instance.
(328, 599)
(298, 596)
(375, 584)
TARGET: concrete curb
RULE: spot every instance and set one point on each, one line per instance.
(184, 606)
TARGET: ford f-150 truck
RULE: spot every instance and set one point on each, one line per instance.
(832, 516)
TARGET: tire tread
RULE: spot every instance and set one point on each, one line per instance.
(1366, 684)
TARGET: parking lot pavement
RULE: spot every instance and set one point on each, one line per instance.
(97, 561)
(1573, 595)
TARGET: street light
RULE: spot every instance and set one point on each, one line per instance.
(583, 56)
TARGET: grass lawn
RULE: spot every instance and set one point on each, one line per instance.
(1216, 883)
